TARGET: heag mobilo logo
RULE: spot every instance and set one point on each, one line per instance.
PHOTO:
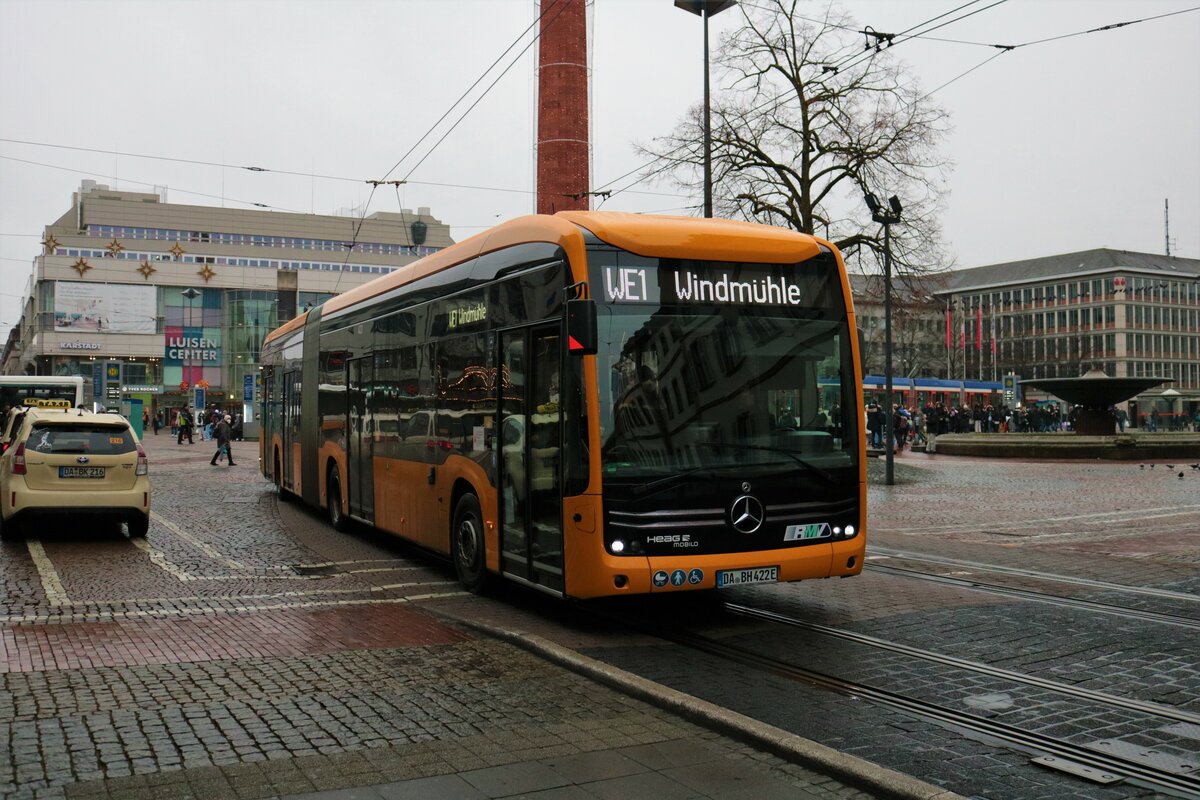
(673, 539)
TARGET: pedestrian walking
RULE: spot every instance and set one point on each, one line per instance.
(875, 425)
(157, 421)
(185, 426)
(223, 432)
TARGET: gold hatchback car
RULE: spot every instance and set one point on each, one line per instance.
(62, 463)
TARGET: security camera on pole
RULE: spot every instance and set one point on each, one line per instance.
(887, 218)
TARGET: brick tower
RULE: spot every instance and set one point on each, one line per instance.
(562, 135)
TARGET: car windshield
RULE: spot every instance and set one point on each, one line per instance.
(689, 386)
(90, 439)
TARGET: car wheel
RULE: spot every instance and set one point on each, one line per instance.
(467, 545)
(333, 494)
(138, 526)
(10, 529)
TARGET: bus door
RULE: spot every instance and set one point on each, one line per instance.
(530, 440)
(287, 419)
(360, 442)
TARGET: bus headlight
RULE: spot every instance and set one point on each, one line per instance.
(849, 531)
(837, 531)
(617, 546)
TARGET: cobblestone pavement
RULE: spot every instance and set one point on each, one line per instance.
(1091, 523)
(243, 649)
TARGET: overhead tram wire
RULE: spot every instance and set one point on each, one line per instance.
(376, 184)
(146, 183)
(264, 170)
(895, 39)
(512, 64)
(1003, 49)
(478, 80)
(986, 61)
(837, 66)
(210, 163)
(1010, 48)
(1109, 27)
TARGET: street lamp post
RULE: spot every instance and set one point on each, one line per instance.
(705, 9)
(887, 217)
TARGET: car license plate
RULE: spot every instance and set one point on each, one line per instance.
(81, 472)
(741, 577)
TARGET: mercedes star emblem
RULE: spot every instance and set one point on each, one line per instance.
(746, 514)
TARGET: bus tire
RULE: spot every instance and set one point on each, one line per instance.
(277, 474)
(333, 494)
(467, 544)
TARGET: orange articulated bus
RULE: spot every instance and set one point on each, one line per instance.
(589, 403)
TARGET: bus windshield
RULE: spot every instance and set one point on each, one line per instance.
(752, 369)
(42, 393)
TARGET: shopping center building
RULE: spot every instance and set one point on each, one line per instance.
(181, 296)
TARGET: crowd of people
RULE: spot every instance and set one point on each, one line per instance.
(186, 423)
(915, 425)
(212, 424)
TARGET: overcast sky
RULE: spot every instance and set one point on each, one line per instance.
(1062, 146)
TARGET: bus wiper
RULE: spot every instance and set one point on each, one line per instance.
(824, 474)
(642, 489)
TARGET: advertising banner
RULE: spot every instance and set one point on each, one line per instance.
(104, 307)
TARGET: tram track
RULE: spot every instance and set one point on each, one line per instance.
(1065, 756)
(1039, 597)
(1148, 591)
(1103, 698)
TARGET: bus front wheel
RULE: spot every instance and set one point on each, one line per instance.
(467, 544)
(333, 493)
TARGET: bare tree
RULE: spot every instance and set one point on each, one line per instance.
(811, 122)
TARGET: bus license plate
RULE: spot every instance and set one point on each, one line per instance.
(81, 472)
(741, 577)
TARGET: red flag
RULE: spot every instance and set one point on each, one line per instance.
(979, 328)
(962, 333)
(947, 327)
(993, 333)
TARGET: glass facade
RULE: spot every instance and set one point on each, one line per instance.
(193, 331)
(255, 240)
(260, 263)
(1062, 328)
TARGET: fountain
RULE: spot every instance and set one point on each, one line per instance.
(1095, 393)
(1095, 435)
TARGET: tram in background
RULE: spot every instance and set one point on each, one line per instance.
(588, 403)
(918, 392)
(41, 391)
